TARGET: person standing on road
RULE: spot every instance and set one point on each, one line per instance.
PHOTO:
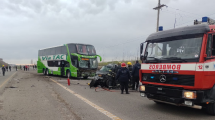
(10, 68)
(24, 67)
(33, 67)
(135, 75)
(123, 77)
(3, 70)
(118, 67)
(16, 68)
(130, 67)
(7, 68)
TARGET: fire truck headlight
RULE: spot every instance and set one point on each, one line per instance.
(142, 88)
(189, 94)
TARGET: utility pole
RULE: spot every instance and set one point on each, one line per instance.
(157, 27)
(158, 8)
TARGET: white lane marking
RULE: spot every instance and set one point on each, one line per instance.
(110, 115)
(7, 80)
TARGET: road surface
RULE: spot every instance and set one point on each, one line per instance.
(27, 95)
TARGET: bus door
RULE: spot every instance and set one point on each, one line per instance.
(62, 68)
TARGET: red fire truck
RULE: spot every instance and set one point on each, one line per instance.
(178, 66)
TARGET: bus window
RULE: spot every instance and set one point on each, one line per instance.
(72, 48)
(58, 50)
(208, 49)
(82, 49)
(63, 50)
(52, 51)
(91, 50)
(48, 51)
(74, 60)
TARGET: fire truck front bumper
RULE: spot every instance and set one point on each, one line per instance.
(174, 95)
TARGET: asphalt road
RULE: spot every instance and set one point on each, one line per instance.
(31, 96)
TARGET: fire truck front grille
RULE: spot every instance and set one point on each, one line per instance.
(187, 80)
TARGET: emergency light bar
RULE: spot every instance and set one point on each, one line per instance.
(205, 20)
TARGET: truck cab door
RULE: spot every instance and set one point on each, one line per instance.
(209, 63)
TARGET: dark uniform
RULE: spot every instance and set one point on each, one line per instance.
(3, 70)
(135, 75)
(16, 68)
(7, 68)
(130, 68)
(24, 67)
(123, 77)
(10, 68)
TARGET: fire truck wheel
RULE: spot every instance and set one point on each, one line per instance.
(210, 108)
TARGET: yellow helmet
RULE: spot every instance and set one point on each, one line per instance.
(2, 65)
(129, 63)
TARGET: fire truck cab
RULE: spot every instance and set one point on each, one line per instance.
(178, 66)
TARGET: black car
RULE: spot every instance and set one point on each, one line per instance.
(105, 76)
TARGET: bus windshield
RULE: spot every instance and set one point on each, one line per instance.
(91, 63)
(182, 48)
(86, 49)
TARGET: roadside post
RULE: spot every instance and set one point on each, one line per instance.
(68, 80)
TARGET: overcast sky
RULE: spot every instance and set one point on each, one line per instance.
(114, 27)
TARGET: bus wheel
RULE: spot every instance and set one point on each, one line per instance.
(85, 77)
(210, 108)
(68, 74)
(47, 71)
(44, 72)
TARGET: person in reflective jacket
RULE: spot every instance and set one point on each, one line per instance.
(3, 70)
(135, 75)
(123, 77)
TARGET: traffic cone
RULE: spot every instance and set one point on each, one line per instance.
(68, 80)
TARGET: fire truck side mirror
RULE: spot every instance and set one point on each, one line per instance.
(141, 50)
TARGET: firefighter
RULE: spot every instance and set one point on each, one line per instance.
(24, 67)
(130, 67)
(118, 67)
(123, 77)
(10, 68)
(135, 75)
(3, 70)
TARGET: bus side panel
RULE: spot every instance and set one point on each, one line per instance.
(72, 69)
(40, 67)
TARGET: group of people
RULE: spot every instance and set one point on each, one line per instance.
(126, 73)
(26, 67)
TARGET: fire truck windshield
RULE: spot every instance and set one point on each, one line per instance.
(188, 48)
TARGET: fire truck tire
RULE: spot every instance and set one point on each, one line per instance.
(210, 109)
